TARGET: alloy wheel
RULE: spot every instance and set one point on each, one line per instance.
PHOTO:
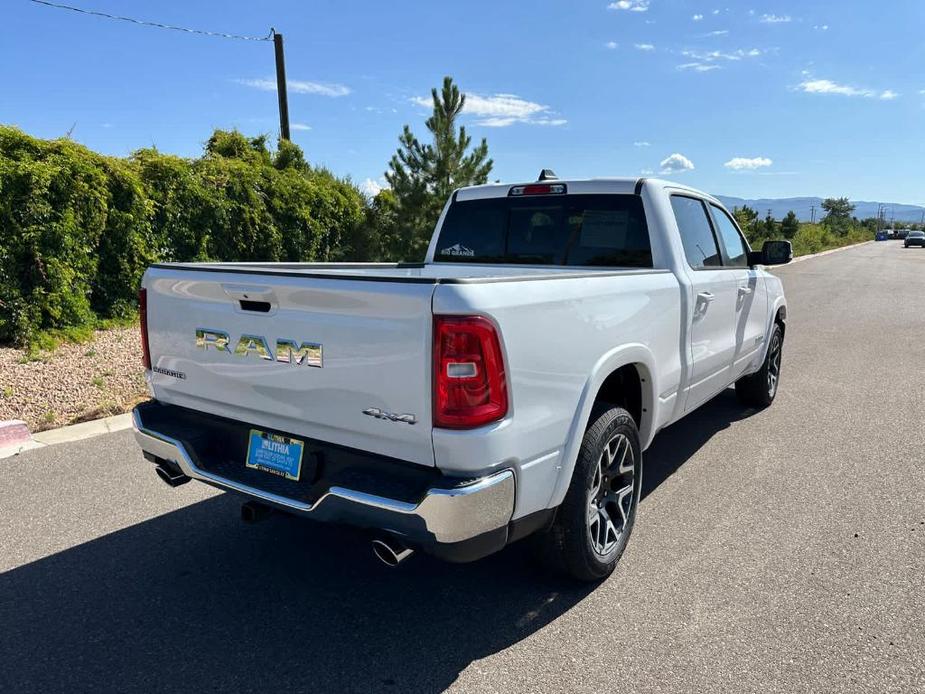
(774, 364)
(610, 495)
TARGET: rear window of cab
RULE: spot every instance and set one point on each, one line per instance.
(567, 230)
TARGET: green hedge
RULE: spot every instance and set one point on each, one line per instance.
(77, 229)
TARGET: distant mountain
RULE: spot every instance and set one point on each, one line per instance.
(802, 207)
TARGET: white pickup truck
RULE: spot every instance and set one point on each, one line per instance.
(505, 387)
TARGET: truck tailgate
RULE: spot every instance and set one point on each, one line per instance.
(373, 347)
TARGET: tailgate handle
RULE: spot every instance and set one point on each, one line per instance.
(256, 306)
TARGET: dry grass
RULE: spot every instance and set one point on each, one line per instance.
(74, 382)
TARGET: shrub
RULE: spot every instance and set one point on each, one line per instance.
(53, 211)
(78, 229)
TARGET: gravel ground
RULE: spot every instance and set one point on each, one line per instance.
(74, 382)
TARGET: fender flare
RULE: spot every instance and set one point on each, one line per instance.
(780, 305)
(631, 354)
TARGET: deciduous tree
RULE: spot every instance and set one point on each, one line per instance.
(838, 213)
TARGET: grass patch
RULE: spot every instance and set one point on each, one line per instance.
(8, 392)
(98, 382)
(48, 418)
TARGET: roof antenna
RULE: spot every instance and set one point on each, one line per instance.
(548, 175)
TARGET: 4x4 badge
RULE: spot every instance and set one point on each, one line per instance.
(390, 416)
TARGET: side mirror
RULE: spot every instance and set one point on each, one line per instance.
(772, 253)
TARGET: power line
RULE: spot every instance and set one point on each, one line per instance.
(158, 25)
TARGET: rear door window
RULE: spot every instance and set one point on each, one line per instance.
(578, 229)
(696, 232)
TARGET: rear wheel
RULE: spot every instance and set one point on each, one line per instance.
(760, 388)
(594, 522)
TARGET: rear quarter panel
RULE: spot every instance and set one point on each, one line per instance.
(562, 338)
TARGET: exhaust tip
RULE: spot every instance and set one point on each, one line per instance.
(170, 477)
(252, 511)
(391, 552)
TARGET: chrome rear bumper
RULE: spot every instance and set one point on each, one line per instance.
(445, 515)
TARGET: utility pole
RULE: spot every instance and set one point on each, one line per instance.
(281, 86)
(812, 211)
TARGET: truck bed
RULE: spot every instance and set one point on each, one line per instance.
(422, 273)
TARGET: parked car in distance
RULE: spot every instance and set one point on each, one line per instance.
(915, 238)
(507, 386)
(883, 235)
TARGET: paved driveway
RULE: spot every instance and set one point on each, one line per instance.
(779, 551)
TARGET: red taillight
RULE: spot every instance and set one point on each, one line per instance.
(143, 316)
(469, 383)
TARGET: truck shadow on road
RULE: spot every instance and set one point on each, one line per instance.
(194, 601)
(676, 445)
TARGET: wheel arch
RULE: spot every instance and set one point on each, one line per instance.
(778, 317)
(626, 377)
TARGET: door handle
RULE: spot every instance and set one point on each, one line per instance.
(705, 297)
(745, 291)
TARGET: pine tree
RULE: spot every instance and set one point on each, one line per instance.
(422, 176)
(770, 226)
(790, 225)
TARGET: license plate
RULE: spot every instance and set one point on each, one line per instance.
(276, 454)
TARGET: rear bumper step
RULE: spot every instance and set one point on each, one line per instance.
(455, 519)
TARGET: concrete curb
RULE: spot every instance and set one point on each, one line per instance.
(801, 258)
(75, 432)
(13, 432)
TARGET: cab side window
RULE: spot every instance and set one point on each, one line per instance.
(736, 248)
(700, 245)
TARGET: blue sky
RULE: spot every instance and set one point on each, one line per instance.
(757, 99)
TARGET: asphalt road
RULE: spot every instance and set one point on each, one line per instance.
(777, 551)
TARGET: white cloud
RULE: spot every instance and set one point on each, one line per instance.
(647, 172)
(821, 27)
(371, 188)
(715, 12)
(630, 5)
(698, 67)
(718, 32)
(830, 87)
(775, 19)
(641, 143)
(746, 164)
(300, 126)
(645, 47)
(676, 163)
(502, 110)
(611, 45)
(697, 17)
(268, 84)
(711, 56)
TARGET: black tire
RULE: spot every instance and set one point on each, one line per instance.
(760, 388)
(568, 546)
